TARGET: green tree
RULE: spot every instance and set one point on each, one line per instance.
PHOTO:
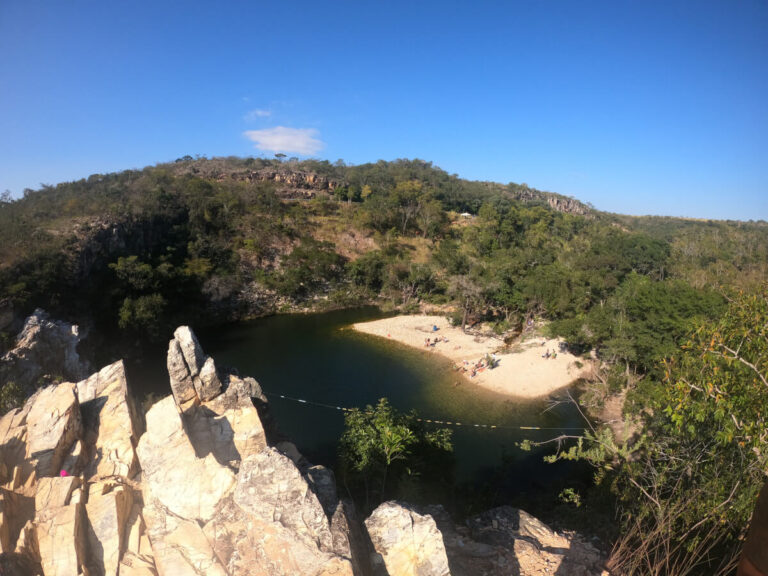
(687, 488)
(380, 446)
(136, 274)
(407, 199)
(11, 396)
(143, 315)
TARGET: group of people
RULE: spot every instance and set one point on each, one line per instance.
(432, 341)
(490, 361)
(549, 354)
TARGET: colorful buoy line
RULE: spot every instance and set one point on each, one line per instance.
(427, 420)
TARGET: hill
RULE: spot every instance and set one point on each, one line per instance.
(135, 251)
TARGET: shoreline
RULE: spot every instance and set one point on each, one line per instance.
(525, 372)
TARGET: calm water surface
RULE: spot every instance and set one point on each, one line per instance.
(318, 357)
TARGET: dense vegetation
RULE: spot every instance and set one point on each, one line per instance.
(385, 453)
(210, 240)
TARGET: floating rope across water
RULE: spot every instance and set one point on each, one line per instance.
(427, 420)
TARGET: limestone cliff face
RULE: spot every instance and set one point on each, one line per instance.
(89, 485)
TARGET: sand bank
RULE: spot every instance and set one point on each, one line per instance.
(522, 372)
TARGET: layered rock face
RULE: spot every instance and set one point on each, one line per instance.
(89, 485)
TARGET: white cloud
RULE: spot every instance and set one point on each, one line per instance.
(302, 141)
(256, 114)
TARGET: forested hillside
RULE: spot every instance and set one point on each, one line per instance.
(673, 309)
(137, 250)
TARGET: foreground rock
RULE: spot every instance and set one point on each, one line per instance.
(406, 542)
(503, 541)
(89, 486)
(111, 424)
(506, 540)
(45, 350)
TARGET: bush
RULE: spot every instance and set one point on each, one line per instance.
(380, 447)
(11, 396)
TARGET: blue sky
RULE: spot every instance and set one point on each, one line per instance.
(639, 107)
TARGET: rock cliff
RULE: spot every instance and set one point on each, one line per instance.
(45, 350)
(90, 485)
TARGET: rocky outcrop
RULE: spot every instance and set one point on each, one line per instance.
(89, 486)
(499, 542)
(45, 350)
(506, 540)
(111, 424)
(54, 424)
(555, 201)
(289, 183)
(193, 375)
(59, 533)
(406, 542)
(274, 523)
(175, 479)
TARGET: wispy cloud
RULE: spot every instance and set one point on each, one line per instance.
(302, 141)
(256, 114)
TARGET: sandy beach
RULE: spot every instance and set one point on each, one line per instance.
(522, 372)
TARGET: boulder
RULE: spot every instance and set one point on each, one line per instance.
(110, 421)
(186, 485)
(406, 542)
(53, 426)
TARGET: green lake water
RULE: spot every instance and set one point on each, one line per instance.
(319, 358)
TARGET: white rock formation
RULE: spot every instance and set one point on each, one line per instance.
(407, 542)
(201, 493)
